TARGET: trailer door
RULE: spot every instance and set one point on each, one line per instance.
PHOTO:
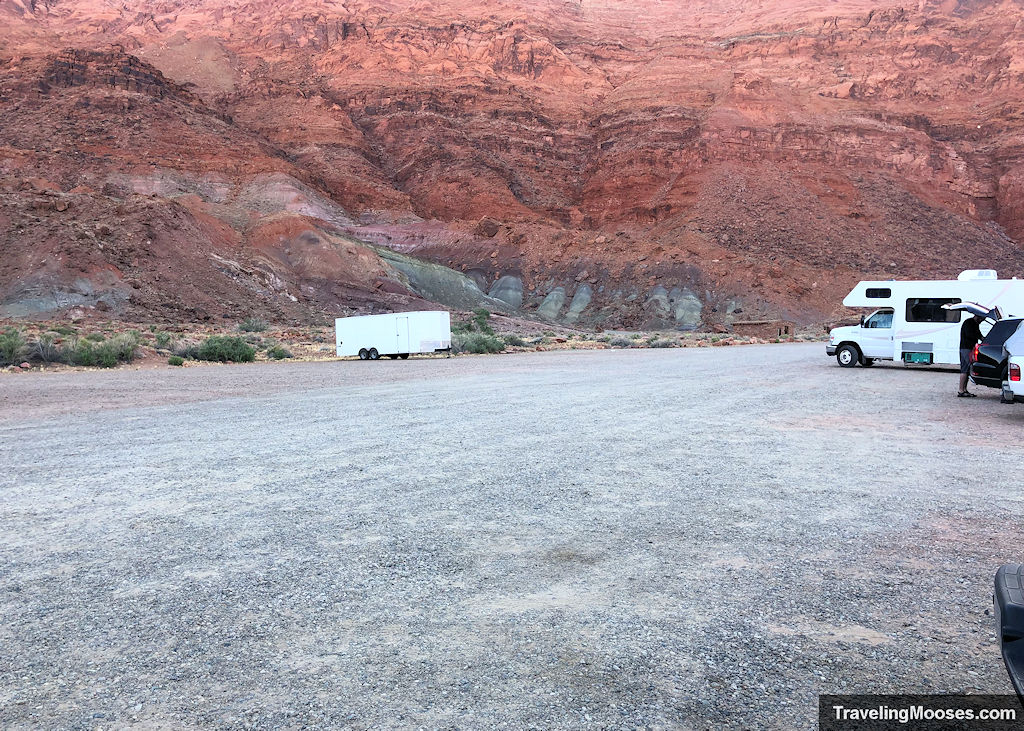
(402, 335)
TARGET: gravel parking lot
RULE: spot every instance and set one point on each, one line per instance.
(641, 538)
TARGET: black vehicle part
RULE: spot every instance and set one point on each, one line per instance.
(990, 367)
(1009, 606)
(403, 356)
(867, 362)
(374, 355)
(848, 355)
(363, 354)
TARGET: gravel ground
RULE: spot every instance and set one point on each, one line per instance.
(645, 538)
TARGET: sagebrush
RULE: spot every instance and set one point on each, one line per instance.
(225, 349)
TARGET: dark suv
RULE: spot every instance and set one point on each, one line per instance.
(989, 367)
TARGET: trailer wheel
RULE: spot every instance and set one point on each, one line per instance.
(374, 355)
(403, 356)
(363, 354)
(848, 356)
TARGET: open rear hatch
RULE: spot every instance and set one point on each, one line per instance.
(989, 313)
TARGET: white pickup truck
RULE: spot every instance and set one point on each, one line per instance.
(1013, 386)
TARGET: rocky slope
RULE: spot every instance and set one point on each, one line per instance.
(623, 164)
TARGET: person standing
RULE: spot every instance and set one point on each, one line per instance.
(970, 335)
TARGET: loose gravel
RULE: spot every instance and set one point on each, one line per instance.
(614, 539)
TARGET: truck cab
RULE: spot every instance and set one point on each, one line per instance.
(864, 343)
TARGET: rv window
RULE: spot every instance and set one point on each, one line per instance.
(879, 294)
(929, 309)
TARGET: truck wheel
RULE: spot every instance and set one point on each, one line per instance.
(363, 354)
(867, 362)
(403, 356)
(847, 356)
(374, 355)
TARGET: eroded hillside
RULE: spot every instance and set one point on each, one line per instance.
(622, 164)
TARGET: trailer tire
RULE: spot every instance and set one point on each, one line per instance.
(848, 355)
(403, 356)
(363, 354)
(374, 355)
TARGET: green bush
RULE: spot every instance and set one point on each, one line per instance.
(635, 336)
(226, 348)
(476, 342)
(85, 352)
(46, 349)
(175, 360)
(620, 342)
(78, 351)
(163, 340)
(278, 352)
(477, 323)
(253, 325)
(65, 330)
(661, 343)
(515, 340)
(12, 347)
(95, 337)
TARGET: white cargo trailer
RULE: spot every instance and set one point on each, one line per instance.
(396, 335)
(912, 324)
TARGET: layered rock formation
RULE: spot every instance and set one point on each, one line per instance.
(622, 164)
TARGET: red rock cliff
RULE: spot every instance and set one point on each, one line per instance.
(750, 157)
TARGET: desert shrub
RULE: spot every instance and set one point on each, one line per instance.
(620, 342)
(185, 349)
(65, 330)
(78, 351)
(96, 337)
(12, 347)
(604, 339)
(476, 342)
(661, 343)
(226, 348)
(175, 360)
(45, 348)
(515, 340)
(635, 336)
(163, 339)
(253, 325)
(85, 352)
(476, 323)
(124, 346)
(278, 352)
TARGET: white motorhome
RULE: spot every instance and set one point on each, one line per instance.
(396, 335)
(910, 323)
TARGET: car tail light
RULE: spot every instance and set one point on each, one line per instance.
(1014, 372)
(974, 355)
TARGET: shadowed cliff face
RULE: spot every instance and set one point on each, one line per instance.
(755, 159)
